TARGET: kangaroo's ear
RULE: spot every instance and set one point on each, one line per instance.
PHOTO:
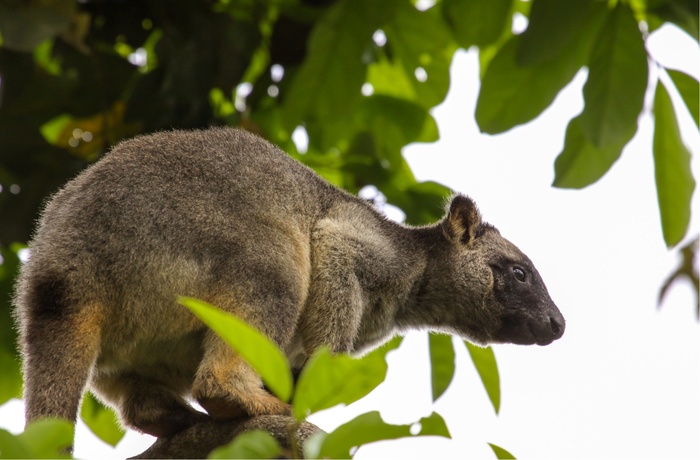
(462, 221)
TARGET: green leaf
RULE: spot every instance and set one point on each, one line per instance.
(46, 438)
(687, 269)
(252, 444)
(11, 381)
(500, 452)
(688, 88)
(429, 131)
(46, 59)
(674, 178)
(682, 13)
(330, 78)
(364, 163)
(312, 445)
(394, 123)
(385, 125)
(581, 163)
(423, 202)
(617, 80)
(390, 78)
(487, 53)
(485, 363)
(442, 363)
(415, 40)
(512, 94)
(101, 420)
(477, 22)
(262, 355)
(9, 268)
(27, 24)
(419, 40)
(552, 27)
(328, 380)
(12, 447)
(370, 427)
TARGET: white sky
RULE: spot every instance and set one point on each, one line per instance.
(624, 381)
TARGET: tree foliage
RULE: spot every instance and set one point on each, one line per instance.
(355, 79)
(325, 382)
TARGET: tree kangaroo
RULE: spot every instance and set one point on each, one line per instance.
(224, 216)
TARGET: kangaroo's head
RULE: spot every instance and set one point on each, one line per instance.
(493, 290)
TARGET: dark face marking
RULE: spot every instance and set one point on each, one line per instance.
(528, 315)
(525, 313)
(505, 299)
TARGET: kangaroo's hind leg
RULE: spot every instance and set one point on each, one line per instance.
(227, 387)
(147, 405)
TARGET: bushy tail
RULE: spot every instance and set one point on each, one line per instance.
(59, 342)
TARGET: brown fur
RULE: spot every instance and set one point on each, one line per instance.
(224, 216)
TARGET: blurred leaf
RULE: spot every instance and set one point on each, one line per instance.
(370, 427)
(442, 363)
(418, 40)
(312, 445)
(552, 28)
(46, 438)
(487, 53)
(581, 163)
(617, 80)
(394, 122)
(87, 137)
(328, 380)
(44, 57)
(390, 78)
(423, 202)
(9, 267)
(196, 48)
(52, 129)
(24, 25)
(330, 79)
(92, 93)
(500, 452)
(683, 13)
(11, 447)
(221, 105)
(477, 22)
(485, 363)
(251, 444)
(430, 131)
(11, 380)
(688, 88)
(674, 177)
(367, 163)
(687, 269)
(101, 420)
(262, 355)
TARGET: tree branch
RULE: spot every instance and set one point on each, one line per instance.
(200, 439)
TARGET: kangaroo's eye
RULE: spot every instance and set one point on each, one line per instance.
(519, 274)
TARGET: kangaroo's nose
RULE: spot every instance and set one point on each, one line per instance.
(557, 324)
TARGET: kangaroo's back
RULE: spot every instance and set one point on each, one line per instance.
(162, 215)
